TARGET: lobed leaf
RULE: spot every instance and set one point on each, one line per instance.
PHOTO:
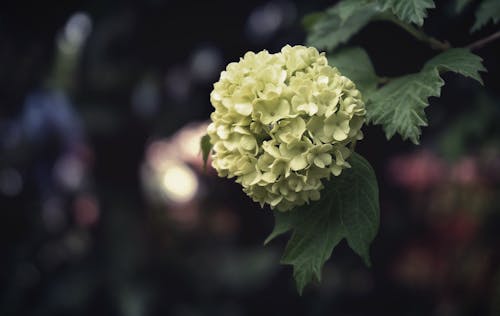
(410, 11)
(340, 23)
(347, 8)
(459, 60)
(343, 20)
(309, 20)
(399, 105)
(348, 208)
(488, 10)
(460, 5)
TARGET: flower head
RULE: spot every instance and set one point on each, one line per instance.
(282, 123)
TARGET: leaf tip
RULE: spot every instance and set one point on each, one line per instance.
(206, 147)
(300, 290)
(269, 239)
(367, 261)
(415, 140)
(300, 284)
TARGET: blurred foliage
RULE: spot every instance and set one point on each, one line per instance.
(488, 10)
(100, 246)
(471, 129)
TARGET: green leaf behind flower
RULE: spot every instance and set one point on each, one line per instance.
(348, 208)
(206, 147)
(399, 105)
(310, 19)
(354, 63)
(340, 23)
(347, 17)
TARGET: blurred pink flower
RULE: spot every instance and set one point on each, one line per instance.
(417, 171)
(224, 222)
(465, 171)
(415, 266)
(86, 210)
(186, 217)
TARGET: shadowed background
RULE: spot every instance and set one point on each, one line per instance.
(105, 208)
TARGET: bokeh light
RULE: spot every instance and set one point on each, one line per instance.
(169, 172)
(107, 209)
(179, 182)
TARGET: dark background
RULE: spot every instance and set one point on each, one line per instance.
(93, 94)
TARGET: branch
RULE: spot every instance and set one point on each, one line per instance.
(419, 34)
(383, 80)
(480, 43)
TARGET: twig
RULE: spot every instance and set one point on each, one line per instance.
(480, 43)
(417, 33)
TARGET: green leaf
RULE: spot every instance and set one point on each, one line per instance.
(410, 11)
(487, 10)
(475, 125)
(283, 222)
(399, 105)
(460, 5)
(206, 147)
(346, 8)
(310, 19)
(459, 60)
(340, 23)
(355, 64)
(348, 208)
(347, 17)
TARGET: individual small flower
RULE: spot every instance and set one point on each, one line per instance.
(283, 123)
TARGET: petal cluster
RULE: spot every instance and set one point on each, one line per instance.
(282, 123)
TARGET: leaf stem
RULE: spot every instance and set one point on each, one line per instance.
(418, 33)
(352, 146)
(480, 43)
(383, 80)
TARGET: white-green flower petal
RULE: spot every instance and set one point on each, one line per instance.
(298, 163)
(243, 108)
(282, 123)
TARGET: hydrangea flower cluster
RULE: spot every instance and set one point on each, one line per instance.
(282, 123)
